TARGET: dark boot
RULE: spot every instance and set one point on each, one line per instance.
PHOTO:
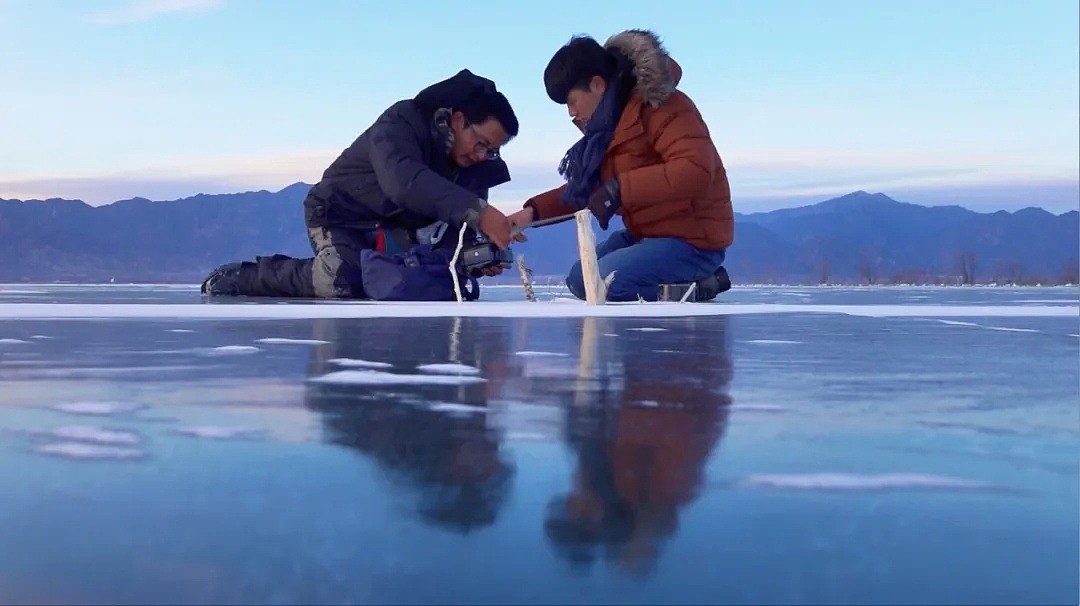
(224, 281)
(708, 288)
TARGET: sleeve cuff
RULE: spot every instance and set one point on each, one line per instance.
(535, 209)
(472, 215)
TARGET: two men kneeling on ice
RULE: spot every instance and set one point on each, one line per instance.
(385, 219)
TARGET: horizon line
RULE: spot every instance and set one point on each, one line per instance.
(798, 200)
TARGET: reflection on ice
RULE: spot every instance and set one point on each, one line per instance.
(377, 377)
(862, 483)
(772, 342)
(432, 437)
(99, 408)
(113, 372)
(89, 433)
(380, 446)
(220, 432)
(641, 428)
(79, 450)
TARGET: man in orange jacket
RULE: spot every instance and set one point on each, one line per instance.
(646, 155)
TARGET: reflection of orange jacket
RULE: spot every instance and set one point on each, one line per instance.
(659, 454)
(673, 411)
(671, 179)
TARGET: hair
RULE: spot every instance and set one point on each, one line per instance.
(575, 64)
(490, 104)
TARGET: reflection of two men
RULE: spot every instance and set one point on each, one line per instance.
(643, 412)
(641, 443)
(446, 456)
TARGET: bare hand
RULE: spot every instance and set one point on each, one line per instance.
(495, 270)
(495, 226)
(519, 221)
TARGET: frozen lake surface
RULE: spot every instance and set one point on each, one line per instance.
(792, 445)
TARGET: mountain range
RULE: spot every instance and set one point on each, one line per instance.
(856, 238)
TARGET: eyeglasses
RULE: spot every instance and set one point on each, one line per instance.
(482, 147)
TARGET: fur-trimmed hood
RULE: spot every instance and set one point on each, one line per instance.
(656, 72)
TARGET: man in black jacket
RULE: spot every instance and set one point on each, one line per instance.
(419, 172)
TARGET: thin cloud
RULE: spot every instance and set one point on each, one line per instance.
(97, 191)
(138, 11)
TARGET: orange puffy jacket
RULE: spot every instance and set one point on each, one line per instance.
(671, 179)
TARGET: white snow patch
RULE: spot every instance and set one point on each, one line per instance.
(541, 354)
(355, 363)
(1077, 336)
(377, 377)
(41, 337)
(454, 407)
(220, 432)
(1006, 329)
(773, 342)
(79, 450)
(91, 433)
(231, 350)
(292, 341)
(648, 403)
(506, 309)
(610, 334)
(861, 482)
(7, 291)
(180, 330)
(12, 341)
(449, 369)
(956, 323)
(98, 408)
(648, 329)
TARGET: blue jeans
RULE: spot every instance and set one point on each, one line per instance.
(641, 266)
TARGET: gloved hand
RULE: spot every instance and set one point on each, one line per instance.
(605, 202)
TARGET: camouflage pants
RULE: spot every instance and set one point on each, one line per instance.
(335, 270)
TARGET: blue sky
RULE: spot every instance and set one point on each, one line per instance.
(973, 103)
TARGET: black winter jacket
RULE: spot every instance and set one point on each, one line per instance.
(397, 172)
